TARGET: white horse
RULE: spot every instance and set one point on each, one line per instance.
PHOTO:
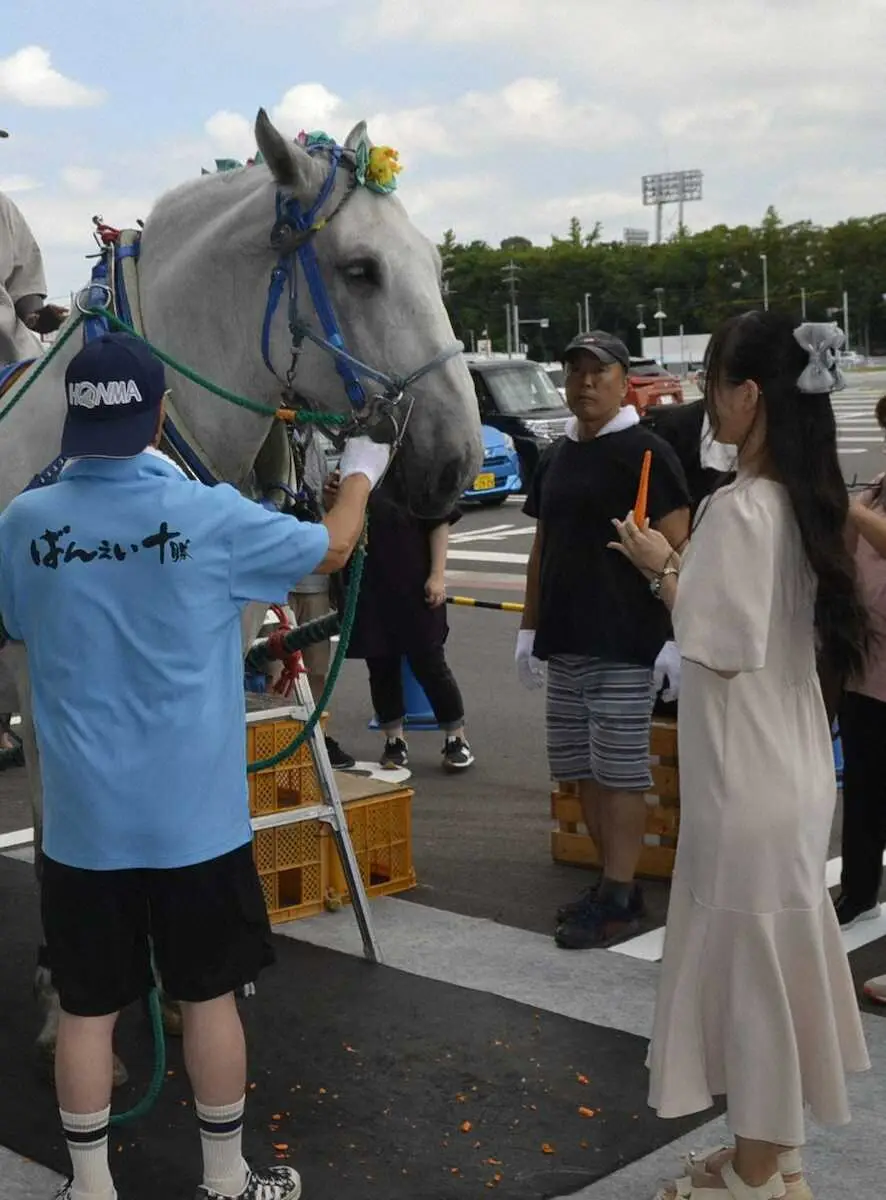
(204, 269)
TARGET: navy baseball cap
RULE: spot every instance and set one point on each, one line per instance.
(114, 388)
(605, 346)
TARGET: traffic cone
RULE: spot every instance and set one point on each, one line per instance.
(419, 714)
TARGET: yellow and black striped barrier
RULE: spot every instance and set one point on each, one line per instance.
(499, 605)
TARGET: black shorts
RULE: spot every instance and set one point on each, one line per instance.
(207, 926)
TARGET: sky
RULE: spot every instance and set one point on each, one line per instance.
(510, 116)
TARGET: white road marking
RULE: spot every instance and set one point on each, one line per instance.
(649, 946)
(494, 556)
(469, 533)
(483, 535)
(18, 837)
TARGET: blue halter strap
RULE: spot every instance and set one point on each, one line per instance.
(294, 225)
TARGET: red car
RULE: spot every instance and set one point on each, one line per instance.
(650, 385)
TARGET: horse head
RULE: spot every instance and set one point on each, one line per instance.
(208, 252)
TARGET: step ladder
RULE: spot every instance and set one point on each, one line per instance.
(330, 810)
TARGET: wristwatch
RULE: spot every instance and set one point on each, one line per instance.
(655, 584)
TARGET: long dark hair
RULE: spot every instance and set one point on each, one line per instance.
(801, 453)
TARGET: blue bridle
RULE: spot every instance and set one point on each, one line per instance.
(293, 235)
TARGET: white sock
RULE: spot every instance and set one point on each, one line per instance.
(87, 1138)
(221, 1136)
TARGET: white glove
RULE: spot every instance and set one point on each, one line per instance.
(363, 456)
(530, 670)
(667, 668)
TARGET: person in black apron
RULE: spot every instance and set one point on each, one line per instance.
(401, 613)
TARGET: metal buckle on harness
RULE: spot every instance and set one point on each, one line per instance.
(86, 307)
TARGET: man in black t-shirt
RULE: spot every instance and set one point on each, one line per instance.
(597, 624)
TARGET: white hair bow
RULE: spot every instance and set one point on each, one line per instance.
(822, 341)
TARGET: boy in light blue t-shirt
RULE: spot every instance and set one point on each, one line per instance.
(126, 582)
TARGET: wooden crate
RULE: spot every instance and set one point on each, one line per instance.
(570, 841)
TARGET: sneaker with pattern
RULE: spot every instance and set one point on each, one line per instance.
(272, 1183)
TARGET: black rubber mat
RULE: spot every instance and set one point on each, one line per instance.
(370, 1081)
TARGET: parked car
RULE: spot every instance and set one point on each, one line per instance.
(650, 384)
(519, 398)
(851, 358)
(499, 477)
(558, 377)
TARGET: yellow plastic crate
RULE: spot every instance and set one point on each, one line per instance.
(291, 864)
(293, 782)
(381, 834)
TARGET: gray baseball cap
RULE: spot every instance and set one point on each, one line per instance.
(605, 346)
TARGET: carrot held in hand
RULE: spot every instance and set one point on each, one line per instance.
(643, 491)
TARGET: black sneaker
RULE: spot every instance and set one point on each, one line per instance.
(600, 925)
(849, 914)
(340, 759)
(395, 754)
(636, 904)
(457, 754)
(273, 1183)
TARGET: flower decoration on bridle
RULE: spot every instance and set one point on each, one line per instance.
(822, 341)
(375, 167)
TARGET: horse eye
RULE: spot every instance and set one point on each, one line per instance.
(364, 270)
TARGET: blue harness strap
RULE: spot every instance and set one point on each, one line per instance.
(95, 326)
(286, 272)
(9, 372)
(124, 311)
(98, 296)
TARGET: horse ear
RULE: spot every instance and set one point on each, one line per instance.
(357, 135)
(290, 165)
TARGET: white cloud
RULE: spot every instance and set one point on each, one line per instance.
(18, 183)
(81, 179)
(311, 106)
(231, 135)
(532, 110)
(29, 78)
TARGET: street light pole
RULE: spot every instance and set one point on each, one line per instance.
(509, 330)
(846, 318)
(587, 312)
(803, 303)
(765, 260)
(578, 309)
(660, 316)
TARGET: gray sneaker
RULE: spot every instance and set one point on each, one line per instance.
(273, 1183)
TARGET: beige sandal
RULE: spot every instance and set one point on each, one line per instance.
(736, 1189)
(789, 1163)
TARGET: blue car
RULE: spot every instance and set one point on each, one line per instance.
(499, 477)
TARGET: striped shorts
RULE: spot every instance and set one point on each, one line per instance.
(598, 722)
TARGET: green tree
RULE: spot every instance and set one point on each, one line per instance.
(512, 245)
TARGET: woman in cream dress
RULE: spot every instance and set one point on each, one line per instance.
(755, 1001)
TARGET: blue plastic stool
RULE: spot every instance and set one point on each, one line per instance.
(419, 714)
